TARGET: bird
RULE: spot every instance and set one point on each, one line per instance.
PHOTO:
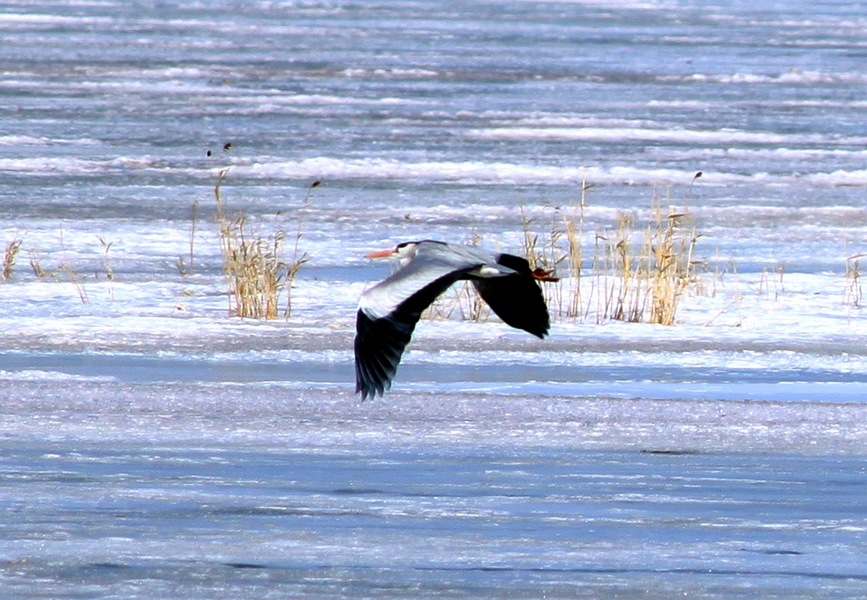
(389, 310)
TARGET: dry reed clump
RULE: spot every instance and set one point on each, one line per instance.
(644, 281)
(9, 256)
(255, 270)
(638, 272)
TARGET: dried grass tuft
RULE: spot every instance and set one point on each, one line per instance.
(9, 256)
(253, 263)
(641, 275)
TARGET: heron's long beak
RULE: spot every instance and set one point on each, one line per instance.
(382, 253)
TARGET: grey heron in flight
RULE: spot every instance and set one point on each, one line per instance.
(389, 311)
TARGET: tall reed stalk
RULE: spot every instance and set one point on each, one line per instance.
(853, 280)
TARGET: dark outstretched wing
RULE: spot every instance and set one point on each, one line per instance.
(517, 299)
(380, 341)
(379, 344)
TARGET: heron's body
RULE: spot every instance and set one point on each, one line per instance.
(388, 312)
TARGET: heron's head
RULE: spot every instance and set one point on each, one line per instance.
(403, 251)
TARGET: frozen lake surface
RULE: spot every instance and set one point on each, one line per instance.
(198, 490)
(152, 446)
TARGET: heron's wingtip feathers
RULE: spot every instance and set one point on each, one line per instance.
(379, 345)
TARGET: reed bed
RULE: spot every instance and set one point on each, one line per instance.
(635, 272)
